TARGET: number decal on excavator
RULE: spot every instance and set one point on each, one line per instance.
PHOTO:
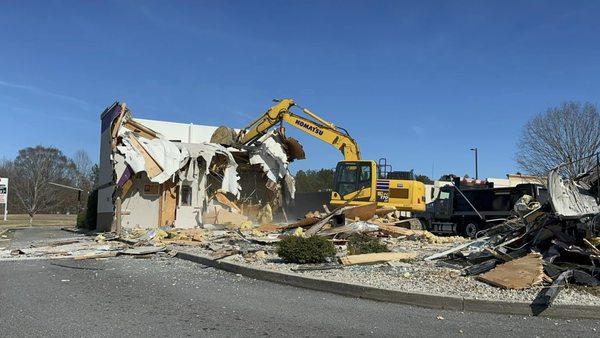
(382, 196)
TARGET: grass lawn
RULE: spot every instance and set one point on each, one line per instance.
(22, 220)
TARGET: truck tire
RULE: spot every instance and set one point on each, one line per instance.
(471, 229)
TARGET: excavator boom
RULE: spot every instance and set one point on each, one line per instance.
(317, 127)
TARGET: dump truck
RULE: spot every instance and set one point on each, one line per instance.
(356, 182)
(465, 207)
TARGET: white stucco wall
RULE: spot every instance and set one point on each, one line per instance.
(186, 133)
(142, 208)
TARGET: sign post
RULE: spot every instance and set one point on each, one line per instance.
(4, 195)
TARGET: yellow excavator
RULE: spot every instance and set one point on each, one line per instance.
(356, 181)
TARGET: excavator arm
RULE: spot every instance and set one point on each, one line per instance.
(317, 127)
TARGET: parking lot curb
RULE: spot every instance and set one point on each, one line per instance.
(395, 296)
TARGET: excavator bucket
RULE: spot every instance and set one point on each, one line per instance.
(293, 149)
(224, 135)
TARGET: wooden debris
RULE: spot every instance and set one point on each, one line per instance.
(223, 217)
(143, 250)
(361, 212)
(384, 211)
(591, 246)
(410, 223)
(521, 273)
(455, 249)
(304, 223)
(140, 129)
(94, 255)
(319, 225)
(500, 255)
(182, 242)
(63, 242)
(395, 231)
(219, 196)
(153, 168)
(373, 258)
(316, 267)
(268, 228)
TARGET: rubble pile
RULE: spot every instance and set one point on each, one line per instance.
(549, 245)
(252, 237)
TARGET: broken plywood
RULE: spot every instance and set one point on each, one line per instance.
(140, 129)
(168, 203)
(373, 258)
(362, 212)
(153, 168)
(521, 273)
(226, 201)
(143, 250)
(223, 216)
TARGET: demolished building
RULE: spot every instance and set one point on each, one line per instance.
(155, 173)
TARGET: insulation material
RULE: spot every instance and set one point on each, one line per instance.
(275, 167)
(207, 151)
(164, 153)
(569, 198)
(273, 160)
(290, 186)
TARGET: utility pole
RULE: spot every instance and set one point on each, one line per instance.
(476, 168)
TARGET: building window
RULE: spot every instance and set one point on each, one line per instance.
(151, 189)
(186, 195)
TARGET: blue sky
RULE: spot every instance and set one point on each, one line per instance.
(417, 82)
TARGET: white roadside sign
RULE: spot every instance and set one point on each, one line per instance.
(4, 194)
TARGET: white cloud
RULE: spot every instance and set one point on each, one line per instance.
(44, 92)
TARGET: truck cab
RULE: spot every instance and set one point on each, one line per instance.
(361, 182)
(453, 209)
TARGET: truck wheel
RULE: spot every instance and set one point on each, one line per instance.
(471, 230)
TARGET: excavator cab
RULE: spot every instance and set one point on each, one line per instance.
(354, 181)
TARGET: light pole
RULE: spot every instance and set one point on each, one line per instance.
(476, 169)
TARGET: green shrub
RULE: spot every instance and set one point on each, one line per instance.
(363, 244)
(81, 221)
(88, 220)
(315, 249)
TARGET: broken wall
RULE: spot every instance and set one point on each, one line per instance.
(166, 172)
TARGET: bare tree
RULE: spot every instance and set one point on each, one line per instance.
(84, 167)
(32, 171)
(82, 162)
(565, 134)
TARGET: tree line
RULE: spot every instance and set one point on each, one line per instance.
(36, 176)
